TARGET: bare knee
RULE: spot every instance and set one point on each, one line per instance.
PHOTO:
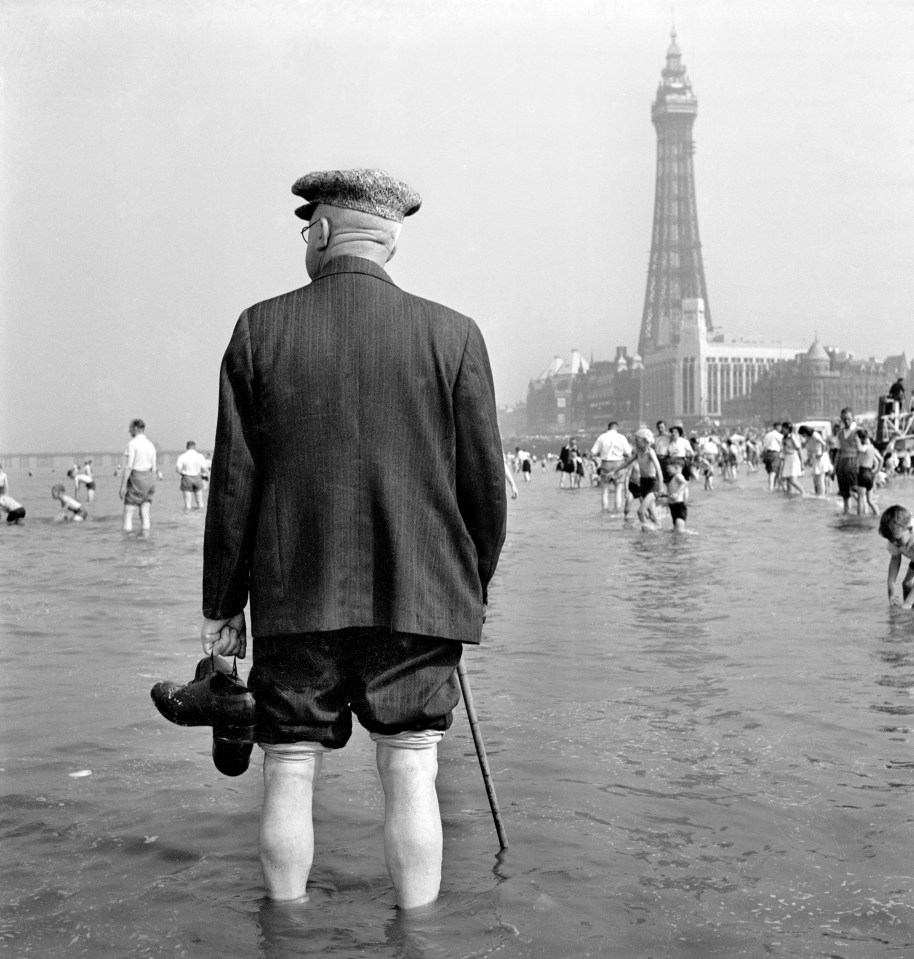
(416, 765)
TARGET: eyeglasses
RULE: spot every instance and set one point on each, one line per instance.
(306, 227)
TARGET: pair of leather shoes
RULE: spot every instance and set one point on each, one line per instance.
(216, 697)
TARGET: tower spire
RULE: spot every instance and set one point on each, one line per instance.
(675, 268)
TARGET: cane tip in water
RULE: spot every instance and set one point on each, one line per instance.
(80, 773)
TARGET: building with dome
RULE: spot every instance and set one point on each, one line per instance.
(817, 384)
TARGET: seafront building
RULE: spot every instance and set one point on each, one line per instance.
(576, 395)
(817, 384)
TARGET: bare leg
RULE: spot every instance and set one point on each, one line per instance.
(413, 841)
(129, 513)
(286, 828)
(188, 500)
(647, 511)
(144, 516)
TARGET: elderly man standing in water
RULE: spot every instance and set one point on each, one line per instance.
(363, 588)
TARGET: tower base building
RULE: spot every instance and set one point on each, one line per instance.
(691, 372)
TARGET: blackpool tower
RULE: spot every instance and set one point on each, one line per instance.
(675, 270)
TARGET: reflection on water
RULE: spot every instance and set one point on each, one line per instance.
(701, 745)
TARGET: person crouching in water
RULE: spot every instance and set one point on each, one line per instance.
(677, 495)
(70, 509)
(15, 511)
(650, 472)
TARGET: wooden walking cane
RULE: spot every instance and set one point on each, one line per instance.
(481, 753)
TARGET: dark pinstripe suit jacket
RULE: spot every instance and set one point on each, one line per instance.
(357, 477)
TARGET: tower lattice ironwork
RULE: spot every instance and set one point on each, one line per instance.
(675, 268)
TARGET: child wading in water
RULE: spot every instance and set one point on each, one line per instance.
(677, 495)
(896, 526)
(868, 463)
(71, 509)
(650, 472)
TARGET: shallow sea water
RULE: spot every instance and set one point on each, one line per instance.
(701, 745)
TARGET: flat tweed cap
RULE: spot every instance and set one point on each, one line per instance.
(370, 191)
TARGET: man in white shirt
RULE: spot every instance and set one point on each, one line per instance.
(192, 467)
(611, 449)
(772, 442)
(138, 479)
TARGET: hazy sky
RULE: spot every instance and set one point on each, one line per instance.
(149, 148)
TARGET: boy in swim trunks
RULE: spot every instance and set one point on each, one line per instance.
(650, 472)
(869, 462)
(897, 527)
(677, 493)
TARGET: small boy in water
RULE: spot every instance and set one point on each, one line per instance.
(896, 526)
(677, 495)
(650, 473)
(869, 462)
(71, 509)
(15, 511)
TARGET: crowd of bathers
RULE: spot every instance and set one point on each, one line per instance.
(71, 509)
(650, 469)
(192, 466)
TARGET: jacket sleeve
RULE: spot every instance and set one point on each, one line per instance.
(481, 495)
(234, 493)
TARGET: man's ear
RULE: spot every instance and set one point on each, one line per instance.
(392, 254)
(323, 237)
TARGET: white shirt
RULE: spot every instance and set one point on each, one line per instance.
(772, 442)
(140, 453)
(611, 445)
(680, 447)
(190, 463)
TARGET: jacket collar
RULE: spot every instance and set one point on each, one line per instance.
(352, 264)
